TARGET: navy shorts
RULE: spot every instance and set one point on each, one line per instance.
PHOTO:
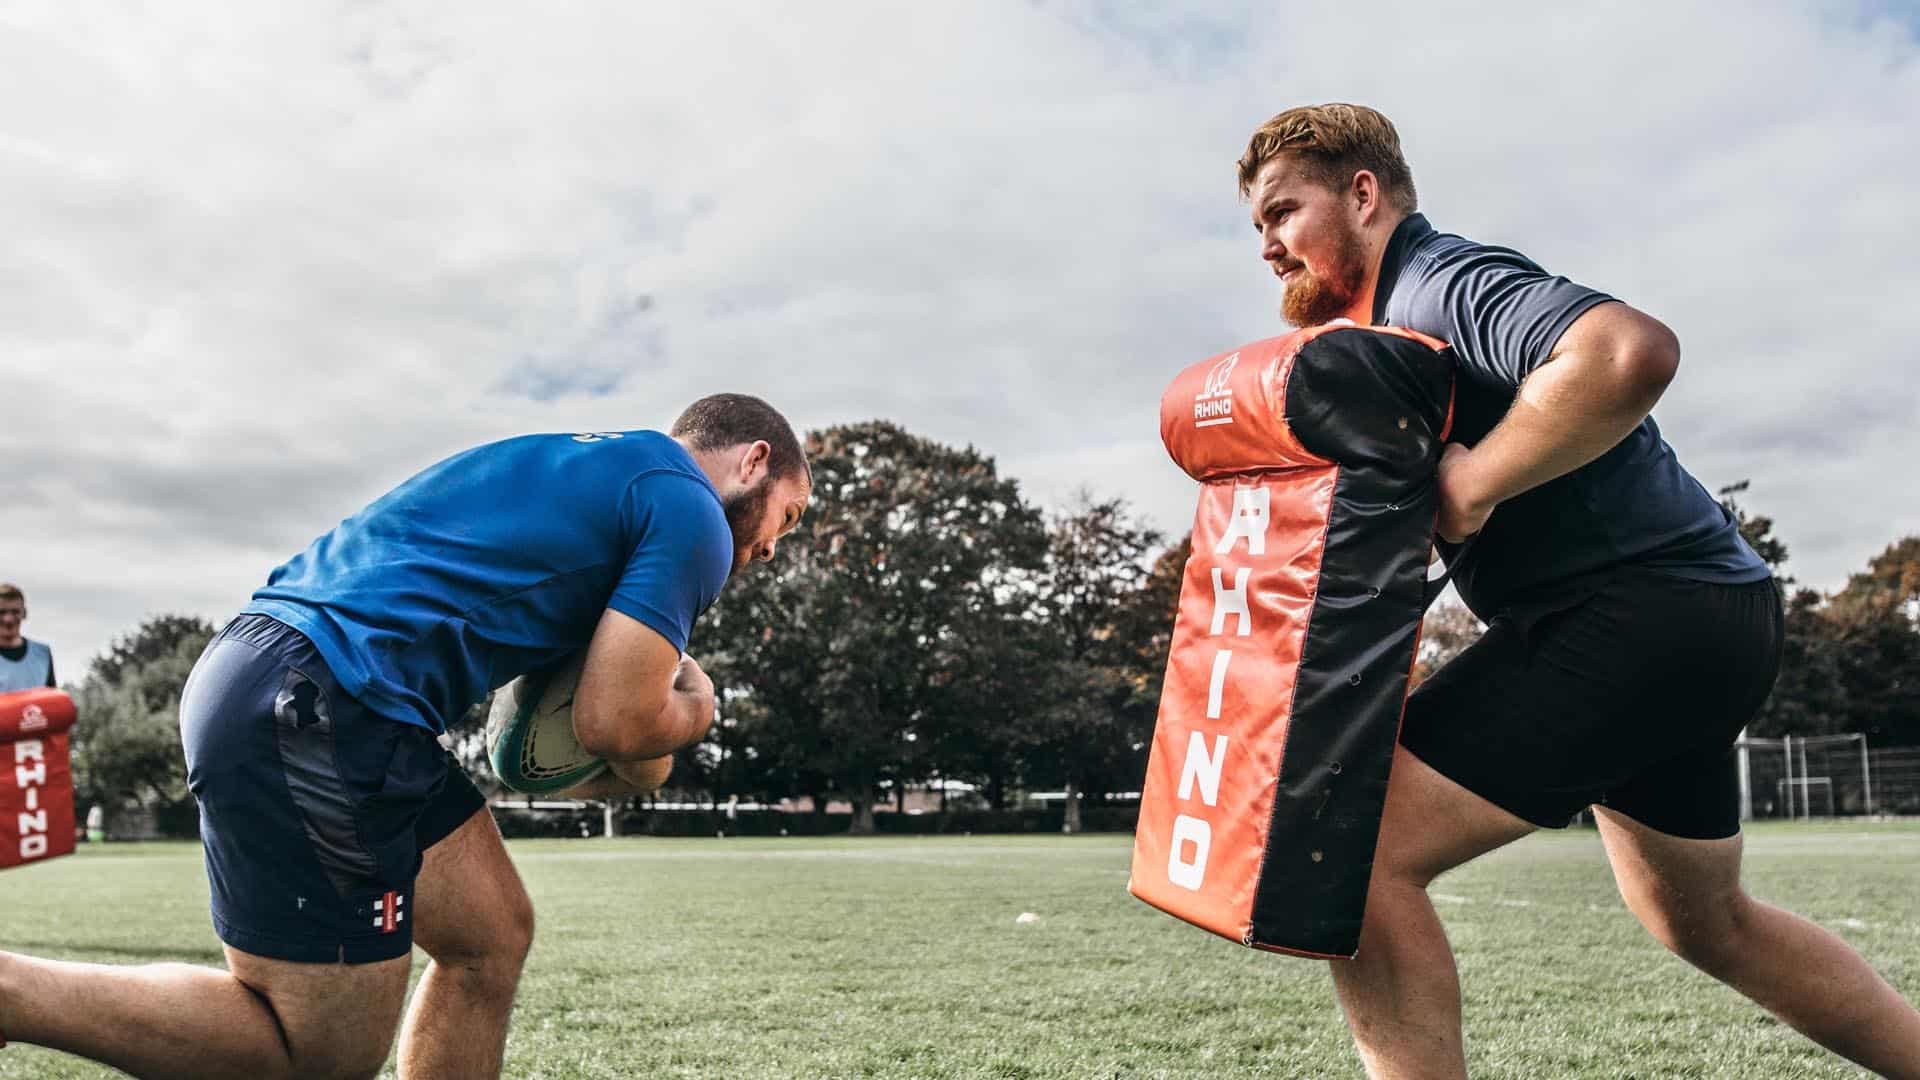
(1629, 696)
(314, 812)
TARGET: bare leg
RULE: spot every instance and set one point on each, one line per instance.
(476, 922)
(267, 1018)
(1401, 993)
(1687, 894)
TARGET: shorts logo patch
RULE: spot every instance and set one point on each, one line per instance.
(387, 914)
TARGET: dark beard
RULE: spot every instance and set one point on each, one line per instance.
(1312, 300)
(745, 510)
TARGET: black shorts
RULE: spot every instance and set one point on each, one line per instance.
(1630, 698)
(314, 812)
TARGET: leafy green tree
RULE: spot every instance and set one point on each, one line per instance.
(1810, 694)
(1757, 531)
(1850, 661)
(1891, 582)
(1808, 697)
(1876, 621)
(840, 659)
(126, 746)
(997, 709)
(1144, 623)
(1093, 723)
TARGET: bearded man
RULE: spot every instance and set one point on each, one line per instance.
(338, 833)
(1631, 630)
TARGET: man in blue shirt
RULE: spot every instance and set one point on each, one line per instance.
(1632, 632)
(338, 833)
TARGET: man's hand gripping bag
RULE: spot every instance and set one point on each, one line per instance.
(1298, 624)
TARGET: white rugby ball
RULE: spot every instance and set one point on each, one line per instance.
(530, 739)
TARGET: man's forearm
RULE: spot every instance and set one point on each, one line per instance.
(1569, 411)
(682, 722)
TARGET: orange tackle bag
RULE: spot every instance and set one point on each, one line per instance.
(1298, 624)
(36, 782)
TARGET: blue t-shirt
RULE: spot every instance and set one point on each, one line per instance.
(503, 558)
(1633, 505)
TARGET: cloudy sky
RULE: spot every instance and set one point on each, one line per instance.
(261, 262)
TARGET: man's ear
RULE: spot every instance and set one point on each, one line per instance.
(753, 464)
(1365, 195)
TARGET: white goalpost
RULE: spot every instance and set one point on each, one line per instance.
(1797, 776)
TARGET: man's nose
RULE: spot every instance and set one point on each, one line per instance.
(1271, 249)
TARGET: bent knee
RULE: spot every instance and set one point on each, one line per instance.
(498, 944)
(1396, 867)
(1708, 934)
(516, 936)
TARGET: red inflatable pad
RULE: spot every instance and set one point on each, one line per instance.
(36, 780)
(1299, 621)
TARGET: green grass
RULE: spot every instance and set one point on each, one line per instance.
(900, 957)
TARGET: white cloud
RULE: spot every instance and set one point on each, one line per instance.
(262, 263)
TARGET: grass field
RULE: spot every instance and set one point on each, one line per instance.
(901, 957)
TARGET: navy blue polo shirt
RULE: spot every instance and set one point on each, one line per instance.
(1633, 505)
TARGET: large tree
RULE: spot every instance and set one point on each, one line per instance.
(126, 746)
(997, 710)
(1875, 621)
(842, 657)
(1145, 621)
(1093, 722)
(1809, 696)
(1850, 662)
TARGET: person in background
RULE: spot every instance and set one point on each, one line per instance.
(24, 665)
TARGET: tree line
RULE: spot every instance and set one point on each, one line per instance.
(1851, 658)
(928, 625)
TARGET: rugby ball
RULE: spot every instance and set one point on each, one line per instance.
(530, 740)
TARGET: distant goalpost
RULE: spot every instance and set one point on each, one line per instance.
(1798, 776)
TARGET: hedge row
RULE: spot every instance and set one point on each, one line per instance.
(182, 821)
(590, 822)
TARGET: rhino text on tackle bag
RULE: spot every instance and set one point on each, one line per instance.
(1298, 626)
(36, 780)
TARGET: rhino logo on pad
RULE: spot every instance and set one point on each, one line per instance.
(1213, 405)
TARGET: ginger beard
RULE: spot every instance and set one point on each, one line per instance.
(1312, 299)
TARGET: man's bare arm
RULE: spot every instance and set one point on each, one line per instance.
(638, 699)
(1603, 378)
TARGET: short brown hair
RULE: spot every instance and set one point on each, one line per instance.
(10, 591)
(1332, 142)
(722, 420)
